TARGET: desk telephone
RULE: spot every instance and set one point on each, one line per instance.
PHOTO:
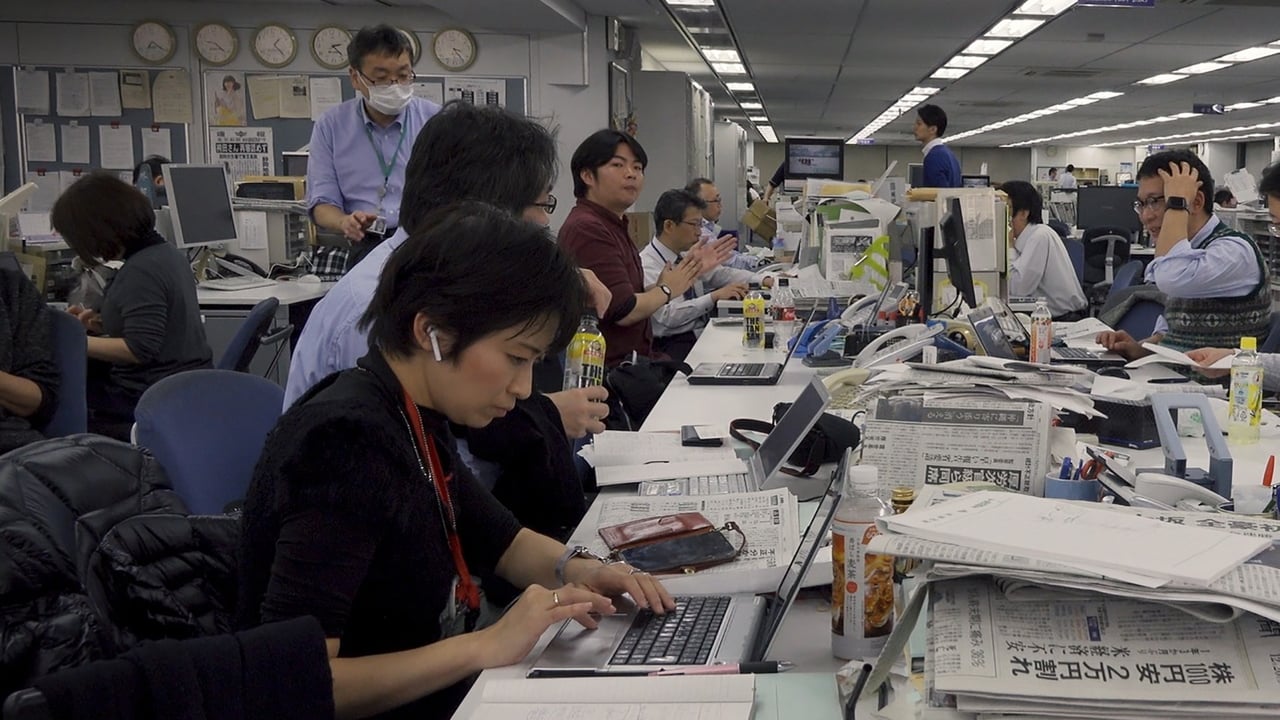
(899, 345)
(846, 388)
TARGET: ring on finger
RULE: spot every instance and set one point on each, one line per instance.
(555, 598)
(637, 571)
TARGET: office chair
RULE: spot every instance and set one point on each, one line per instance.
(255, 332)
(207, 428)
(1140, 320)
(1272, 343)
(1075, 251)
(1125, 277)
(1105, 248)
(70, 353)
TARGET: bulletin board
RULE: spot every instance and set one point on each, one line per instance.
(138, 120)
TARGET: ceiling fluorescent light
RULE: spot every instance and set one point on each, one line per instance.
(1202, 68)
(691, 3)
(1161, 79)
(729, 68)
(751, 106)
(727, 55)
(1249, 55)
(987, 47)
(947, 73)
(1010, 28)
(1106, 94)
(767, 133)
(1244, 105)
(1043, 8)
(923, 90)
(740, 87)
(965, 61)
(758, 118)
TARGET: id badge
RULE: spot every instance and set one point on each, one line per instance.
(453, 619)
(378, 226)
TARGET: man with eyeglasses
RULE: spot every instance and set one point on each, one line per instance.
(678, 215)
(1214, 277)
(711, 230)
(359, 149)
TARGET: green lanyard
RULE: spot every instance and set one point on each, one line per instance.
(387, 167)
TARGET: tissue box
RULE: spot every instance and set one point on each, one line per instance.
(1129, 423)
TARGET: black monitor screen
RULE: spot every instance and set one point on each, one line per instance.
(957, 252)
(1106, 206)
(199, 204)
(295, 165)
(915, 174)
(821, 158)
(975, 181)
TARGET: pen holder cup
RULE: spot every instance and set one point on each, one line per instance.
(1059, 489)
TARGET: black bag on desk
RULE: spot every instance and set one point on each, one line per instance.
(634, 388)
(825, 442)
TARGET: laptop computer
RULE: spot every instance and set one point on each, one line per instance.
(989, 326)
(703, 630)
(746, 373)
(729, 476)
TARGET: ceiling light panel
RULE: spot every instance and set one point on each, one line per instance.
(691, 3)
(726, 55)
(946, 73)
(767, 133)
(1014, 28)
(740, 87)
(729, 68)
(1249, 54)
(1161, 79)
(987, 47)
(966, 61)
(1202, 68)
(751, 106)
(1044, 8)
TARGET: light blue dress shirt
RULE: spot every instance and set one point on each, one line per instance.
(692, 311)
(1228, 267)
(739, 260)
(343, 169)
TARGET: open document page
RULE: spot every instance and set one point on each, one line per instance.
(1169, 356)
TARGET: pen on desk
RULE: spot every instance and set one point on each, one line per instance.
(579, 673)
(858, 685)
(746, 668)
(1065, 472)
(654, 462)
(1269, 472)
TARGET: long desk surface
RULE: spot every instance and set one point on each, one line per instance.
(287, 292)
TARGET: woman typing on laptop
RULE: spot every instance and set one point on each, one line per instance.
(360, 513)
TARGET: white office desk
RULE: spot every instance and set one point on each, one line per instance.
(716, 405)
(224, 311)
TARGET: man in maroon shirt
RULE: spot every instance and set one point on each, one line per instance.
(608, 173)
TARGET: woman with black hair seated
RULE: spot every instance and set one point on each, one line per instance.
(149, 325)
(361, 514)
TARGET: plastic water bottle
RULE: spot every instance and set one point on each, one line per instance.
(1245, 401)
(584, 361)
(1041, 333)
(862, 586)
(784, 313)
(753, 320)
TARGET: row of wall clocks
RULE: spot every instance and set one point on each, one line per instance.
(275, 45)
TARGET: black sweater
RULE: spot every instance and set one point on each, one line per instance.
(340, 523)
(26, 350)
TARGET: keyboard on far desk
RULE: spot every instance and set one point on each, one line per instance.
(239, 282)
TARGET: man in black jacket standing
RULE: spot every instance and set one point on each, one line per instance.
(28, 375)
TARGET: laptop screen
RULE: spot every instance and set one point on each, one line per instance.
(990, 335)
(810, 542)
(792, 427)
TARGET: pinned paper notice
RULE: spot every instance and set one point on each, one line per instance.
(253, 229)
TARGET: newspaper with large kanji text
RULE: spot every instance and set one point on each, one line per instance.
(919, 441)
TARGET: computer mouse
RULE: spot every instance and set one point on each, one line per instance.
(1114, 372)
(309, 278)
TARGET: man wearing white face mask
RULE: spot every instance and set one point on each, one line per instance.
(355, 175)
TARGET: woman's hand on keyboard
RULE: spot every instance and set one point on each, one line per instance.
(617, 579)
(510, 639)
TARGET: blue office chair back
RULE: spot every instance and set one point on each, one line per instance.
(1272, 343)
(254, 332)
(1140, 320)
(1075, 251)
(1124, 277)
(70, 353)
(207, 428)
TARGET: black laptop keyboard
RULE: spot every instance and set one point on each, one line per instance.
(1070, 353)
(742, 370)
(684, 636)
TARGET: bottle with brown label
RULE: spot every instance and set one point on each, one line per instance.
(862, 587)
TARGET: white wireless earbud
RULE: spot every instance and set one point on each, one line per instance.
(435, 343)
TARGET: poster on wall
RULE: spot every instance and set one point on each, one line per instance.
(475, 91)
(225, 98)
(243, 151)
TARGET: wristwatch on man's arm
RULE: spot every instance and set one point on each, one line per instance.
(665, 291)
(1176, 203)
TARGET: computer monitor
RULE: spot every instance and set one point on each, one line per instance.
(821, 158)
(957, 252)
(1106, 206)
(975, 181)
(200, 205)
(915, 174)
(295, 164)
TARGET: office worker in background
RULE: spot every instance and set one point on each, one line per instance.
(608, 174)
(359, 512)
(1053, 176)
(149, 178)
(708, 193)
(1215, 278)
(149, 326)
(941, 168)
(1068, 179)
(1040, 266)
(28, 374)
(676, 324)
(355, 174)
(1224, 198)
(775, 181)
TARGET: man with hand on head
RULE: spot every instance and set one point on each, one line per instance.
(359, 149)
(676, 324)
(1216, 279)
(708, 193)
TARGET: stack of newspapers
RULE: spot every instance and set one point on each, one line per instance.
(1042, 608)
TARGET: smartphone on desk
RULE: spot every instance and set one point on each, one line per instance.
(695, 436)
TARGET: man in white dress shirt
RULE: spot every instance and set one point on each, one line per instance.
(708, 193)
(1040, 265)
(1067, 181)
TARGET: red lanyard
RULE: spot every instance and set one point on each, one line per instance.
(468, 592)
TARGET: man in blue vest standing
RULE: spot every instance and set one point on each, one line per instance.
(941, 168)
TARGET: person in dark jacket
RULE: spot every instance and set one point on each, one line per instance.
(360, 512)
(149, 325)
(28, 375)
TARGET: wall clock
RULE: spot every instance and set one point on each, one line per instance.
(153, 41)
(454, 48)
(274, 45)
(216, 43)
(329, 46)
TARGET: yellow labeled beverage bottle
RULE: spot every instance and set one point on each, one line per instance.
(1244, 413)
(753, 320)
(584, 361)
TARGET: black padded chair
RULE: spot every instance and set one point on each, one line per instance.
(1105, 250)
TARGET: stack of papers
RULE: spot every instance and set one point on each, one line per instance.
(993, 378)
(631, 457)
(1169, 356)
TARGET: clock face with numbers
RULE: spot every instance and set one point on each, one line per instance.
(329, 46)
(454, 48)
(154, 41)
(216, 43)
(274, 45)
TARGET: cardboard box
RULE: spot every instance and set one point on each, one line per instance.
(761, 219)
(640, 228)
